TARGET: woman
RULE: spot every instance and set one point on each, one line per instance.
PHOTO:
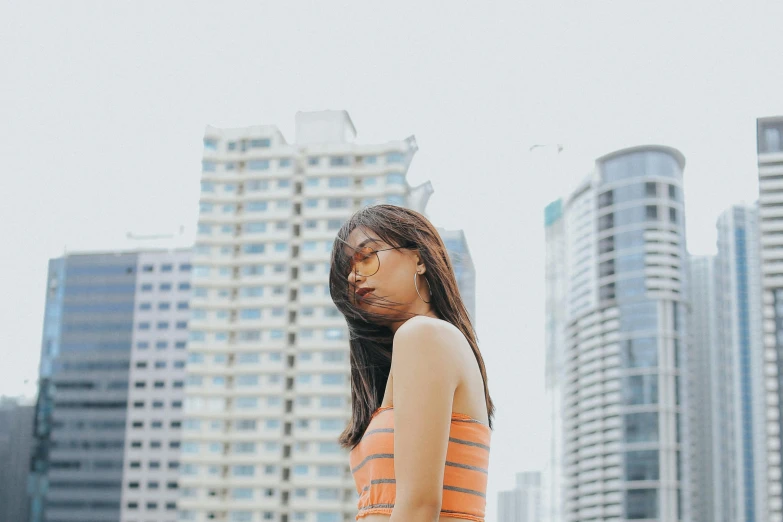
(422, 415)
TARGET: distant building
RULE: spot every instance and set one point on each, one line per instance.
(464, 270)
(616, 336)
(107, 420)
(770, 165)
(523, 503)
(16, 429)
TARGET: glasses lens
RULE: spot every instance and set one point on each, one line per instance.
(365, 261)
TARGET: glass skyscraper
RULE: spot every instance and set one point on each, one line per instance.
(619, 360)
(82, 429)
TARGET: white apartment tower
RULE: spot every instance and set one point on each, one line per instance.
(267, 387)
(623, 284)
(523, 503)
(770, 165)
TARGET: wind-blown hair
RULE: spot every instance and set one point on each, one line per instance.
(370, 338)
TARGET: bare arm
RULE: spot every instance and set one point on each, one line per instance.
(426, 374)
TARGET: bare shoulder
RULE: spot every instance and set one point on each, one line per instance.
(431, 342)
(430, 329)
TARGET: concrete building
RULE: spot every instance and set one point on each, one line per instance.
(459, 253)
(16, 429)
(98, 320)
(770, 165)
(624, 295)
(523, 503)
(553, 495)
(268, 373)
(704, 367)
(156, 387)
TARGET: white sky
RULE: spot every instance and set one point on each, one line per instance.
(103, 107)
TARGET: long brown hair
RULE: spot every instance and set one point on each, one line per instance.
(371, 341)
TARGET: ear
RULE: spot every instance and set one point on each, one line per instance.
(421, 268)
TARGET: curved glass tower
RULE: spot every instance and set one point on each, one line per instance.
(624, 329)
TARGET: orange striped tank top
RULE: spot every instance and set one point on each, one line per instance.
(464, 478)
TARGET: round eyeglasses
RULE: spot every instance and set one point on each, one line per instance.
(365, 261)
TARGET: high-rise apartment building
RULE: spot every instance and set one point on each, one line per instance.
(268, 389)
(554, 374)
(624, 295)
(523, 503)
(99, 319)
(726, 376)
(704, 374)
(770, 165)
(739, 431)
(16, 428)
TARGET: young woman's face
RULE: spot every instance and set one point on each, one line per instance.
(381, 274)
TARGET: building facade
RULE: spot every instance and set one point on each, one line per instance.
(268, 373)
(624, 279)
(156, 391)
(705, 418)
(523, 503)
(457, 245)
(739, 384)
(81, 428)
(16, 428)
(554, 377)
(770, 165)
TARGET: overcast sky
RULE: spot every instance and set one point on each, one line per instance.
(103, 106)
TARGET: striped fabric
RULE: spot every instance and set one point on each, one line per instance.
(464, 478)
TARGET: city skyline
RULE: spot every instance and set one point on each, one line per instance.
(124, 120)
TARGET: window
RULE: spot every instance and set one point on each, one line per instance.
(311, 203)
(284, 162)
(253, 248)
(313, 182)
(330, 379)
(254, 228)
(338, 161)
(333, 333)
(208, 166)
(258, 164)
(207, 186)
(641, 427)
(313, 161)
(243, 471)
(146, 287)
(260, 143)
(247, 380)
(641, 504)
(250, 313)
(395, 178)
(339, 182)
(242, 493)
(641, 465)
(338, 203)
(640, 389)
(328, 471)
(256, 206)
(246, 402)
(256, 185)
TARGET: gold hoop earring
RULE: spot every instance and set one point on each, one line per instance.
(416, 285)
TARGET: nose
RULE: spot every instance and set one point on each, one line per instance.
(353, 277)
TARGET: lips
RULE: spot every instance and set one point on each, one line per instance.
(361, 292)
